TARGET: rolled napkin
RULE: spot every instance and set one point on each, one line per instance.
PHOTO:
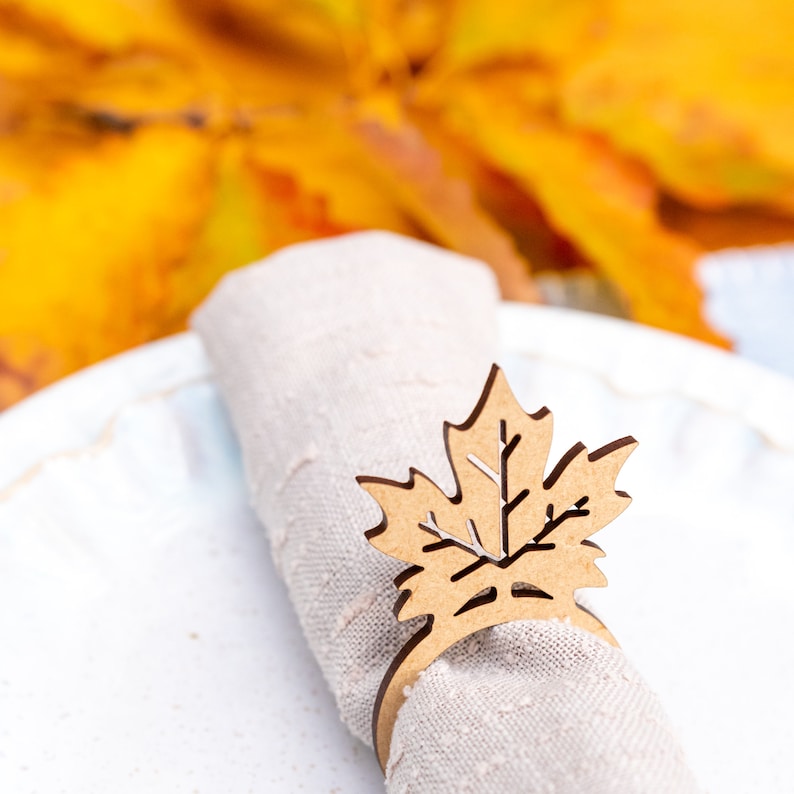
(344, 357)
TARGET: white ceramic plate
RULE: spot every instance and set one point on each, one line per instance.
(146, 643)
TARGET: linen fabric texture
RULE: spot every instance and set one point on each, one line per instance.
(344, 357)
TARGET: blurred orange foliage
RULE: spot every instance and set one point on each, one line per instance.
(148, 146)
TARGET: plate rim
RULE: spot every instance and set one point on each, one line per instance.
(58, 420)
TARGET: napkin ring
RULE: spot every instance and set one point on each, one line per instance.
(510, 544)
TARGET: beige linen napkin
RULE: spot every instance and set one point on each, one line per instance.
(344, 357)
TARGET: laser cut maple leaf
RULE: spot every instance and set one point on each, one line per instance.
(509, 533)
(510, 544)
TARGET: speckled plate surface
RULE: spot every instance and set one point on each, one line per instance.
(147, 644)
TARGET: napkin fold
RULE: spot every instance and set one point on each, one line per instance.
(344, 357)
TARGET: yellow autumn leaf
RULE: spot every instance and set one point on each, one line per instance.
(702, 92)
(328, 166)
(96, 24)
(604, 205)
(232, 233)
(158, 55)
(87, 252)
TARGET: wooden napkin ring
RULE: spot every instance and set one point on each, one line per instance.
(511, 544)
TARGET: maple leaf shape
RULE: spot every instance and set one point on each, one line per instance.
(509, 532)
(510, 544)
